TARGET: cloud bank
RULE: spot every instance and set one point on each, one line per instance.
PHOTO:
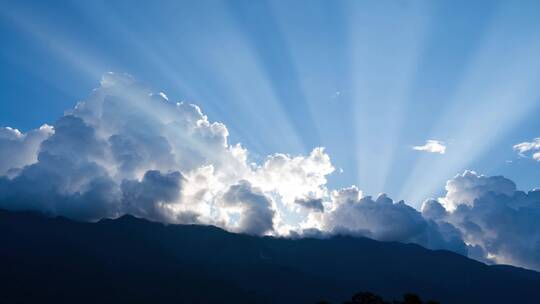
(497, 221)
(126, 149)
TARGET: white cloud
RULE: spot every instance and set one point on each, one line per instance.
(432, 146)
(124, 148)
(18, 150)
(527, 146)
(384, 219)
(526, 149)
(467, 187)
(296, 177)
(163, 95)
(493, 217)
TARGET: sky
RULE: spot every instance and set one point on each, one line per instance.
(394, 97)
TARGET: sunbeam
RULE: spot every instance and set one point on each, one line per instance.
(498, 89)
(398, 121)
(60, 48)
(382, 78)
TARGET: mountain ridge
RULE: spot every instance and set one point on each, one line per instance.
(130, 259)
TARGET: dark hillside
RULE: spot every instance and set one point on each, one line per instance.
(129, 260)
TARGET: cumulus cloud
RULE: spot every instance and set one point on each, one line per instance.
(295, 178)
(384, 219)
(257, 216)
(526, 149)
(498, 221)
(20, 149)
(431, 146)
(126, 149)
(467, 187)
(68, 178)
(150, 197)
(432, 209)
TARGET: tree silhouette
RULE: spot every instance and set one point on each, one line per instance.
(411, 298)
(366, 298)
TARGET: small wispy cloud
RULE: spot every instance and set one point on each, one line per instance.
(432, 146)
(531, 148)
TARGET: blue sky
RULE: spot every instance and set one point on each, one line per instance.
(368, 80)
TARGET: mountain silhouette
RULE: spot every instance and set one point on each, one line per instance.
(130, 260)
